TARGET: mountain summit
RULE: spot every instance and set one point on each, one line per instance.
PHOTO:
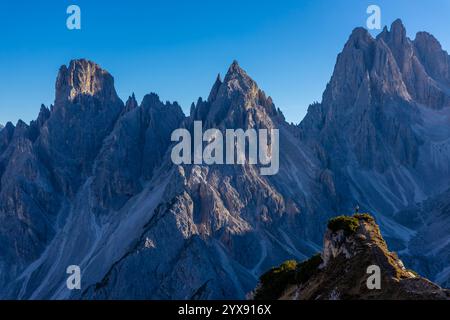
(83, 77)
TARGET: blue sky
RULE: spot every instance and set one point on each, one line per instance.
(176, 47)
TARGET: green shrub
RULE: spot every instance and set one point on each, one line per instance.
(306, 269)
(346, 223)
(276, 280)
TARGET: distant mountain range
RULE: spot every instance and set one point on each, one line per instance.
(90, 182)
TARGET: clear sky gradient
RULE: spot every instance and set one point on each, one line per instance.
(176, 47)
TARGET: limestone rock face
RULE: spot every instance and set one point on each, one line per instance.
(86, 110)
(5, 136)
(423, 64)
(28, 201)
(134, 148)
(84, 78)
(434, 58)
(336, 244)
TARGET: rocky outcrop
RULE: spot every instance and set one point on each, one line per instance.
(353, 249)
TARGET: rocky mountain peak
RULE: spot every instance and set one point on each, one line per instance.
(131, 103)
(84, 78)
(21, 124)
(387, 70)
(235, 68)
(435, 60)
(398, 31)
(150, 100)
(44, 114)
(236, 77)
(351, 70)
(359, 37)
(237, 82)
(6, 134)
(9, 126)
(215, 88)
(235, 102)
(425, 38)
(36, 125)
(85, 111)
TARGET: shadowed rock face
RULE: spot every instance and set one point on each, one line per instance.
(91, 182)
(6, 134)
(134, 148)
(430, 248)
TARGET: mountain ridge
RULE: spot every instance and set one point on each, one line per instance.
(91, 181)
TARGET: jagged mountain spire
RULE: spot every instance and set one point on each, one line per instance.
(237, 77)
(236, 101)
(131, 103)
(435, 60)
(84, 77)
(215, 89)
(397, 32)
